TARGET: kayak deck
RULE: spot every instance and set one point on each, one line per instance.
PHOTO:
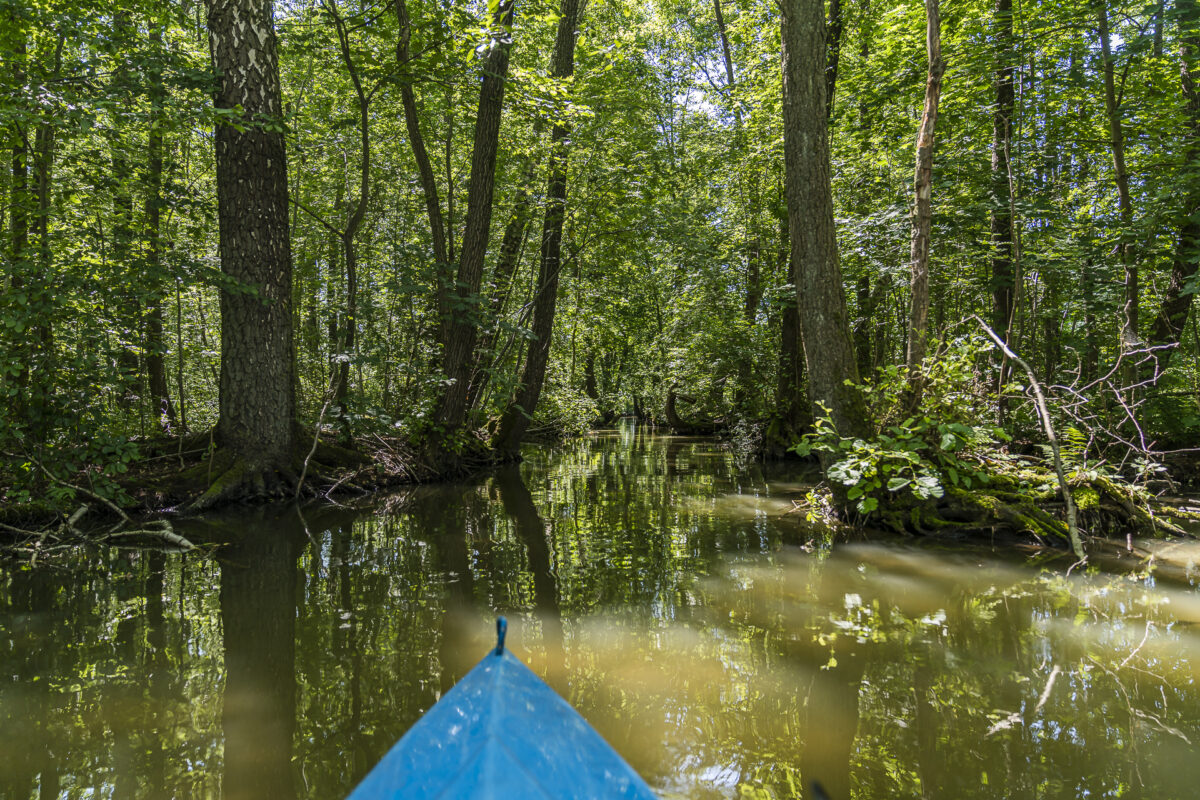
(501, 732)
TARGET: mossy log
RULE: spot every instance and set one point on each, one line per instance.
(1008, 509)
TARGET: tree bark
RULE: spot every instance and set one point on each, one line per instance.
(918, 317)
(1177, 302)
(789, 393)
(416, 140)
(813, 260)
(257, 400)
(833, 51)
(460, 299)
(349, 332)
(1129, 307)
(511, 246)
(1003, 279)
(516, 418)
(156, 370)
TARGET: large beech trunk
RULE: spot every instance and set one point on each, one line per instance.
(516, 418)
(257, 401)
(813, 258)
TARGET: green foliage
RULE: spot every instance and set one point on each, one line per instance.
(563, 412)
(675, 248)
(942, 445)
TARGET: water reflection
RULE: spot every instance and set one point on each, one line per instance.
(655, 585)
(258, 616)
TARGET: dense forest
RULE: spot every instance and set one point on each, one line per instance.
(250, 251)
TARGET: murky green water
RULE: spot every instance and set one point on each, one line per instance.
(658, 588)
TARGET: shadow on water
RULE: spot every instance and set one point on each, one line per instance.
(658, 587)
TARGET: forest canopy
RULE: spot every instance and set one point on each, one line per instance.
(445, 227)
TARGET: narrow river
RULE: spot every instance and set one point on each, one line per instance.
(658, 586)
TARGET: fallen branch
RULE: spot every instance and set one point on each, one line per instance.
(164, 532)
(116, 509)
(1044, 413)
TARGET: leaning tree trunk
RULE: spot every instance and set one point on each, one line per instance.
(516, 418)
(1168, 325)
(461, 330)
(257, 400)
(416, 140)
(813, 260)
(918, 316)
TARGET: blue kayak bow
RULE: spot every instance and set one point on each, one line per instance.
(501, 732)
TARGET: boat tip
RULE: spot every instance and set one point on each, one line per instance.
(501, 632)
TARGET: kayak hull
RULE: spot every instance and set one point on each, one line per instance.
(501, 732)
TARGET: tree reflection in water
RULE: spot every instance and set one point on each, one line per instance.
(258, 617)
(658, 587)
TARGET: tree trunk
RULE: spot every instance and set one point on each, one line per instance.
(833, 51)
(1172, 316)
(461, 329)
(156, 370)
(41, 294)
(1003, 279)
(18, 218)
(516, 418)
(511, 246)
(813, 260)
(754, 287)
(257, 400)
(1129, 307)
(789, 392)
(918, 317)
(862, 330)
(408, 100)
(349, 337)
(864, 296)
